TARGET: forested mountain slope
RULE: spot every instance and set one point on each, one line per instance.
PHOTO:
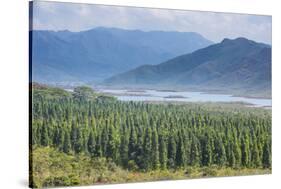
(239, 65)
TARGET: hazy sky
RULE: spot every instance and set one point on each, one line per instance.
(214, 26)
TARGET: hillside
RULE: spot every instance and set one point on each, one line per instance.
(239, 66)
(93, 55)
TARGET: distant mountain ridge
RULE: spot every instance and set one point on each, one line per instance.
(96, 54)
(239, 66)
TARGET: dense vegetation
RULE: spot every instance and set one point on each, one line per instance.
(142, 137)
(53, 168)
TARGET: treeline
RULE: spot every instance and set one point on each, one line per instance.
(141, 136)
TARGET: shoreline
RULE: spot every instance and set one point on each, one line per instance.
(202, 91)
(173, 98)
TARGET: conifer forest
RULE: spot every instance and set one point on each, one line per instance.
(86, 137)
(121, 94)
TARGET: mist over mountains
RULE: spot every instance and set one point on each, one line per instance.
(97, 54)
(238, 66)
(115, 57)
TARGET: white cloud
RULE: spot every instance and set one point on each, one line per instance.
(214, 26)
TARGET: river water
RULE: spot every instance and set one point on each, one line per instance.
(183, 96)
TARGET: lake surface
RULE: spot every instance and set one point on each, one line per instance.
(183, 96)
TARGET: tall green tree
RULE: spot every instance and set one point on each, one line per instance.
(256, 160)
(66, 143)
(113, 143)
(237, 152)
(207, 150)
(124, 150)
(172, 151)
(132, 145)
(219, 152)
(155, 150)
(91, 144)
(181, 160)
(147, 150)
(79, 142)
(194, 152)
(44, 136)
(163, 155)
(266, 160)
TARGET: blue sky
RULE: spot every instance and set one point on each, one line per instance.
(214, 26)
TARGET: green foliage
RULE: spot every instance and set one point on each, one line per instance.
(147, 150)
(172, 151)
(181, 158)
(266, 160)
(132, 143)
(194, 152)
(66, 143)
(245, 149)
(44, 136)
(84, 93)
(163, 153)
(132, 166)
(60, 181)
(91, 144)
(207, 149)
(155, 150)
(149, 137)
(41, 91)
(124, 151)
(219, 152)
(51, 168)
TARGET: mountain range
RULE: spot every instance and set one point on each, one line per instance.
(94, 55)
(239, 66)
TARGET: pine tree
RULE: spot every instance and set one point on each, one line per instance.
(139, 152)
(124, 151)
(219, 152)
(147, 150)
(266, 159)
(98, 149)
(91, 144)
(113, 143)
(172, 151)
(104, 141)
(66, 143)
(256, 160)
(245, 151)
(61, 136)
(180, 154)
(56, 139)
(163, 152)
(237, 152)
(206, 150)
(73, 134)
(155, 150)
(230, 154)
(194, 152)
(132, 145)
(79, 143)
(44, 136)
